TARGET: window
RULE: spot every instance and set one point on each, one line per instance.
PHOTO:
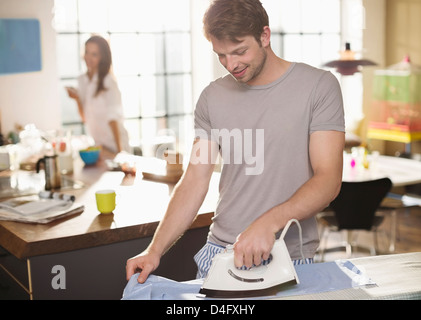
(305, 30)
(152, 57)
(314, 31)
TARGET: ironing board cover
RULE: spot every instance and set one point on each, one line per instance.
(314, 278)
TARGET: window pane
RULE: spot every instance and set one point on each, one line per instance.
(310, 16)
(151, 16)
(273, 9)
(292, 48)
(276, 44)
(93, 16)
(330, 47)
(330, 16)
(68, 55)
(311, 50)
(126, 53)
(290, 16)
(149, 128)
(124, 15)
(151, 56)
(65, 15)
(130, 95)
(152, 96)
(179, 94)
(178, 56)
(176, 15)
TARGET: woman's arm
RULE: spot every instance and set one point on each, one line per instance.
(72, 92)
(116, 134)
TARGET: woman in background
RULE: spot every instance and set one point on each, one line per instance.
(99, 99)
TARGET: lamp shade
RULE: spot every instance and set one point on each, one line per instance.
(347, 65)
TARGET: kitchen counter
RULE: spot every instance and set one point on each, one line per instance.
(141, 204)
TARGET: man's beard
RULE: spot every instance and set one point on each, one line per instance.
(258, 69)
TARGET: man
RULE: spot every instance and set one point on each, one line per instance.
(289, 115)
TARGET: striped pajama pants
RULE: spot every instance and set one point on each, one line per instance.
(204, 257)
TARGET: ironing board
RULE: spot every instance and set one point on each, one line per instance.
(395, 276)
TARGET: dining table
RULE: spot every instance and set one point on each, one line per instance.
(403, 172)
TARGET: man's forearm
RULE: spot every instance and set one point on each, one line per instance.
(184, 204)
(310, 199)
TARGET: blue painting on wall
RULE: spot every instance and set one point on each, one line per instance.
(20, 46)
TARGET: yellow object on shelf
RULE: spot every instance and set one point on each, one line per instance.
(393, 135)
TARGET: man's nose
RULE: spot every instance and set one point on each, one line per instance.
(231, 63)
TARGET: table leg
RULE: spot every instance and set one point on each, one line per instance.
(27, 290)
(30, 292)
(393, 227)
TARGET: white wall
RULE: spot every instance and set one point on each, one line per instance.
(374, 43)
(32, 97)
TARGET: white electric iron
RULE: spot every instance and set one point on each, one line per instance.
(224, 280)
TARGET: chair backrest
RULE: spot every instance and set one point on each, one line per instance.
(357, 202)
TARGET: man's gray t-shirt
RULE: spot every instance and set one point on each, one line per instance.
(263, 134)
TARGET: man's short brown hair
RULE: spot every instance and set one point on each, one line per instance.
(233, 19)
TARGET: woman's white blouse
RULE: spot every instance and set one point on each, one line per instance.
(101, 109)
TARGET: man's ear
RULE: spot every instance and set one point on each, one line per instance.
(265, 37)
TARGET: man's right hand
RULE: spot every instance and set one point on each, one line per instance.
(145, 263)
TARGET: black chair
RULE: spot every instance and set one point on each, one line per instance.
(355, 209)
(394, 203)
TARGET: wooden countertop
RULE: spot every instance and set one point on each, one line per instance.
(141, 204)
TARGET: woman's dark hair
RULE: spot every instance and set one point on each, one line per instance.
(105, 61)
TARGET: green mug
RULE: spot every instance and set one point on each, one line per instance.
(105, 200)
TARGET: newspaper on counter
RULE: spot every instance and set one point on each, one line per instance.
(42, 208)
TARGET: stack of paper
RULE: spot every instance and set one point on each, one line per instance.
(41, 208)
